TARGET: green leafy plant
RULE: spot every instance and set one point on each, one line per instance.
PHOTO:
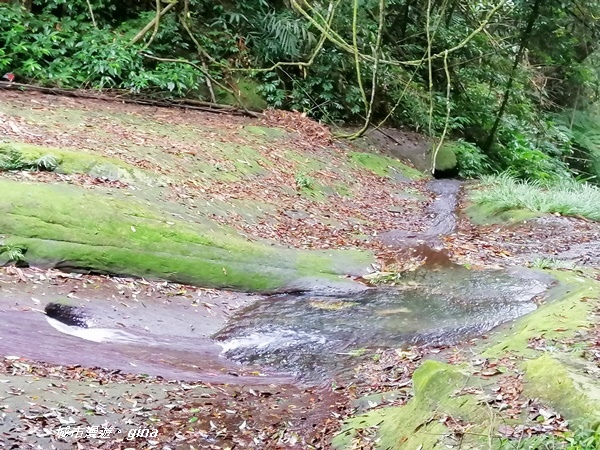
(12, 160)
(584, 438)
(13, 253)
(472, 162)
(303, 181)
(46, 163)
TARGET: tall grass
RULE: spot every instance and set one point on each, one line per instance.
(566, 197)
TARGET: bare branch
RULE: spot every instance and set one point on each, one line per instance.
(150, 24)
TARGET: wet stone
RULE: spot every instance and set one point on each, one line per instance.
(67, 314)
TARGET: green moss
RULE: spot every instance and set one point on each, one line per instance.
(446, 157)
(485, 214)
(418, 424)
(73, 228)
(72, 162)
(384, 166)
(247, 92)
(306, 163)
(342, 190)
(315, 192)
(563, 315)
(574, 395)
(558, 379)
(271, 133)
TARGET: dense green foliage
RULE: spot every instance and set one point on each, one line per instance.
(513, 80)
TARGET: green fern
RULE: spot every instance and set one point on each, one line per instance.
(46, 163)
(585, 129)
(12, 160)
(13, 253)
(283, 36)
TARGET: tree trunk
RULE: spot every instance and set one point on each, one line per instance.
(533, 16)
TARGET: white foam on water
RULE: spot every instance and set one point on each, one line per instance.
(279, 338)
(94, 334)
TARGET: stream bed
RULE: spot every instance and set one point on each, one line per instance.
(228, 337)
(314, 336)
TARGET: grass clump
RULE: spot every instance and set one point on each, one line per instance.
(303, 181)
(566, 197)
(583, 438)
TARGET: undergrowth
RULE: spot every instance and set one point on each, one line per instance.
(565, 196)
(583, 438)
(12, 253)
(13, 160)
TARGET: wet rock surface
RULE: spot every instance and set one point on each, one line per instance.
(315, 336)
(549, 239)
(442, 214)
(137, 327)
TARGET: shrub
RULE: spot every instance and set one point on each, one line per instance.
(472, 162)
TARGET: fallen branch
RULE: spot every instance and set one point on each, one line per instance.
(122, 97)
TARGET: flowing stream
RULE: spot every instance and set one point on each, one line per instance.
(312, 336)
(305, 336)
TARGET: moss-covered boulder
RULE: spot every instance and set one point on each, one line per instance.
(106, 231)
(247, 92)
(384, 166)
(446, 160)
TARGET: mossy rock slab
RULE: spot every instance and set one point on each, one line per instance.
(266, 132)
(78, 162)
(558, 377)
(104, 232)
(417, 424)
(563, 386)
(563, 315)
(482, 214)
(384, 166)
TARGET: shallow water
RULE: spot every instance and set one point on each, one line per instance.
(311, 335)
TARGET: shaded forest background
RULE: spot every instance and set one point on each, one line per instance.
(507, 84)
